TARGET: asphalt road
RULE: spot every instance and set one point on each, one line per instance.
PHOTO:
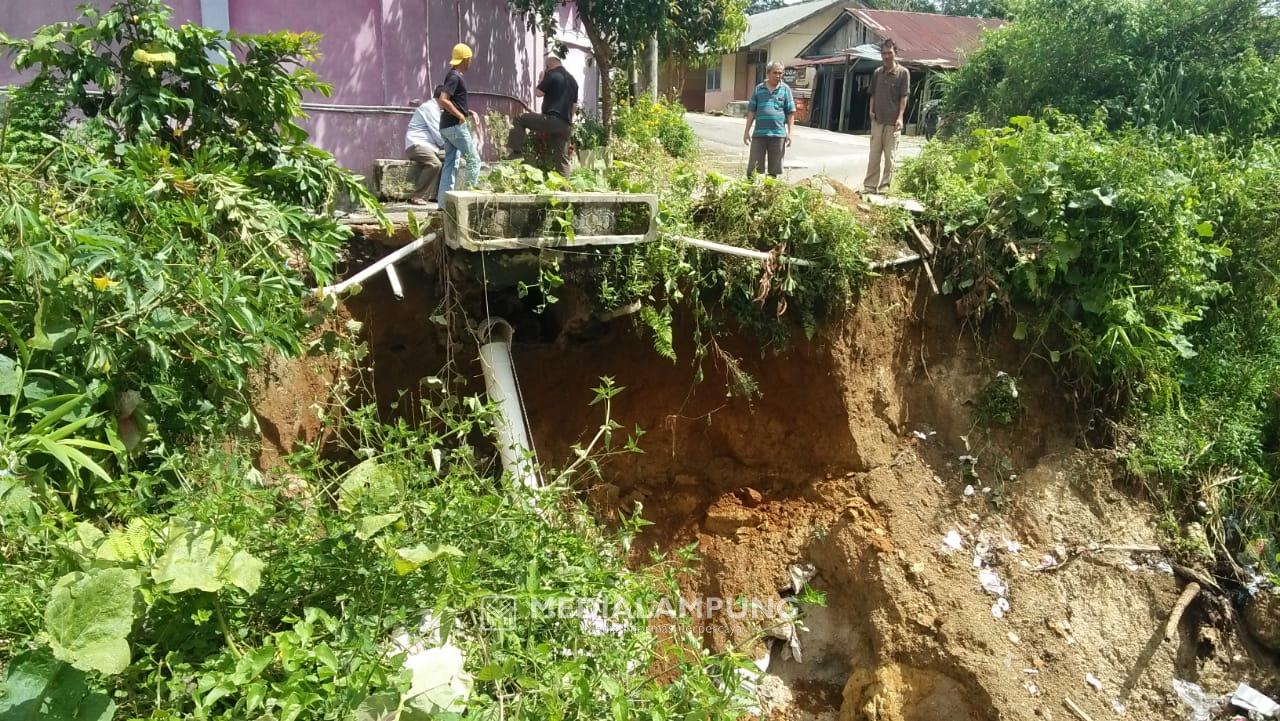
(813, 152)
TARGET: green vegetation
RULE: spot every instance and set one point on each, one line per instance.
(645, 122)
(1191, 65)
(151, 257)
(1140, 265)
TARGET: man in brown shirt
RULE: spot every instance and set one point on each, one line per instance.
(890, 88)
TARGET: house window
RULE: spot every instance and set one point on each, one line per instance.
(713, 79)
(757, 57)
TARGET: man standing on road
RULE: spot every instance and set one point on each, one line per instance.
(559, 93)
(424, 145)
(773, 111)
(452, 96)
(890, 88)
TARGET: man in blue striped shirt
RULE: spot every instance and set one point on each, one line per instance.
(773, 111)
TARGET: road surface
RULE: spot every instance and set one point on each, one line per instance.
(813, 151)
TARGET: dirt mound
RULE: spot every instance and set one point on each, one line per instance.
(947, 551)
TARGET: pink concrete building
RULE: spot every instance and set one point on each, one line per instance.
(380, 56)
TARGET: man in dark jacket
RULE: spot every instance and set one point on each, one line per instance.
(559, 93)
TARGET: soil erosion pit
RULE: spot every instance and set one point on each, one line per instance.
(861, 459)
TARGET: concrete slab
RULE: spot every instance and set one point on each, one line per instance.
(501, 221)
(393, 179)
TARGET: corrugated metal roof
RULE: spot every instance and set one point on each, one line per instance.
(765, 25)
(925, 38)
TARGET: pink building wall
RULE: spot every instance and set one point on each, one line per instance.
(380, 55)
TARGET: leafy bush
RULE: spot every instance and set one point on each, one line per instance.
(242, 600)
(1196, 65)
(32, 112)
(150, 268)
(793, 221)
(588, 131)
(1143, 265)
(645, 123)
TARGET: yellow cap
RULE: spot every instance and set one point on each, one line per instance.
(460, 52)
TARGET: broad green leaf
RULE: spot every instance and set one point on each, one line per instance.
(252, 664)
(408, 560)
(440, 683)
(369, 526)
(195, 558)
(1205, 229)
(84, 543)
(53, 335)
(16, 500)
(370, 479)
(379, 707)
(89, 617)
(157, 57)
(10, 376)
(244, 571)
(38, 687)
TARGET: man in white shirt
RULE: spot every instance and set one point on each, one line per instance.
(424, 145)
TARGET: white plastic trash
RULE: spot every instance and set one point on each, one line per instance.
(1249, 698)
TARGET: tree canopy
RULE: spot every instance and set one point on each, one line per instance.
(619, 29)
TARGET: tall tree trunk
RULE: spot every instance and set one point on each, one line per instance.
(604, 61)
(652, 62)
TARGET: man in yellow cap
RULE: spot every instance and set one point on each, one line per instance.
(452, 96)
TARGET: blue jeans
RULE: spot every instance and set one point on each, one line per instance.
(457, 139)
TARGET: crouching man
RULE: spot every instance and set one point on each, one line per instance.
(559, 93)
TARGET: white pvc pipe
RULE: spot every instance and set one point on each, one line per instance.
(394, 279)
(377, 267)
(500, 382)
(740, 252)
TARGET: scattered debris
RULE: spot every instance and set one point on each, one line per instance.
(1250, 699)
(991, 582)
(1093, 681)
(801, 573)
(1202, 706)
(952, 542)
(968, 490)
(1076, 710)
(1063, 629)
(1118, 706)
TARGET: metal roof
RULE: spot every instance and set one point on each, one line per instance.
(765, 25)
(925, 38)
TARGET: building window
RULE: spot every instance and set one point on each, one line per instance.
(757, 57)
(713, 79)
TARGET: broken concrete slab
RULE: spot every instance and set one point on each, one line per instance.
(481, 221)
(393, 179)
